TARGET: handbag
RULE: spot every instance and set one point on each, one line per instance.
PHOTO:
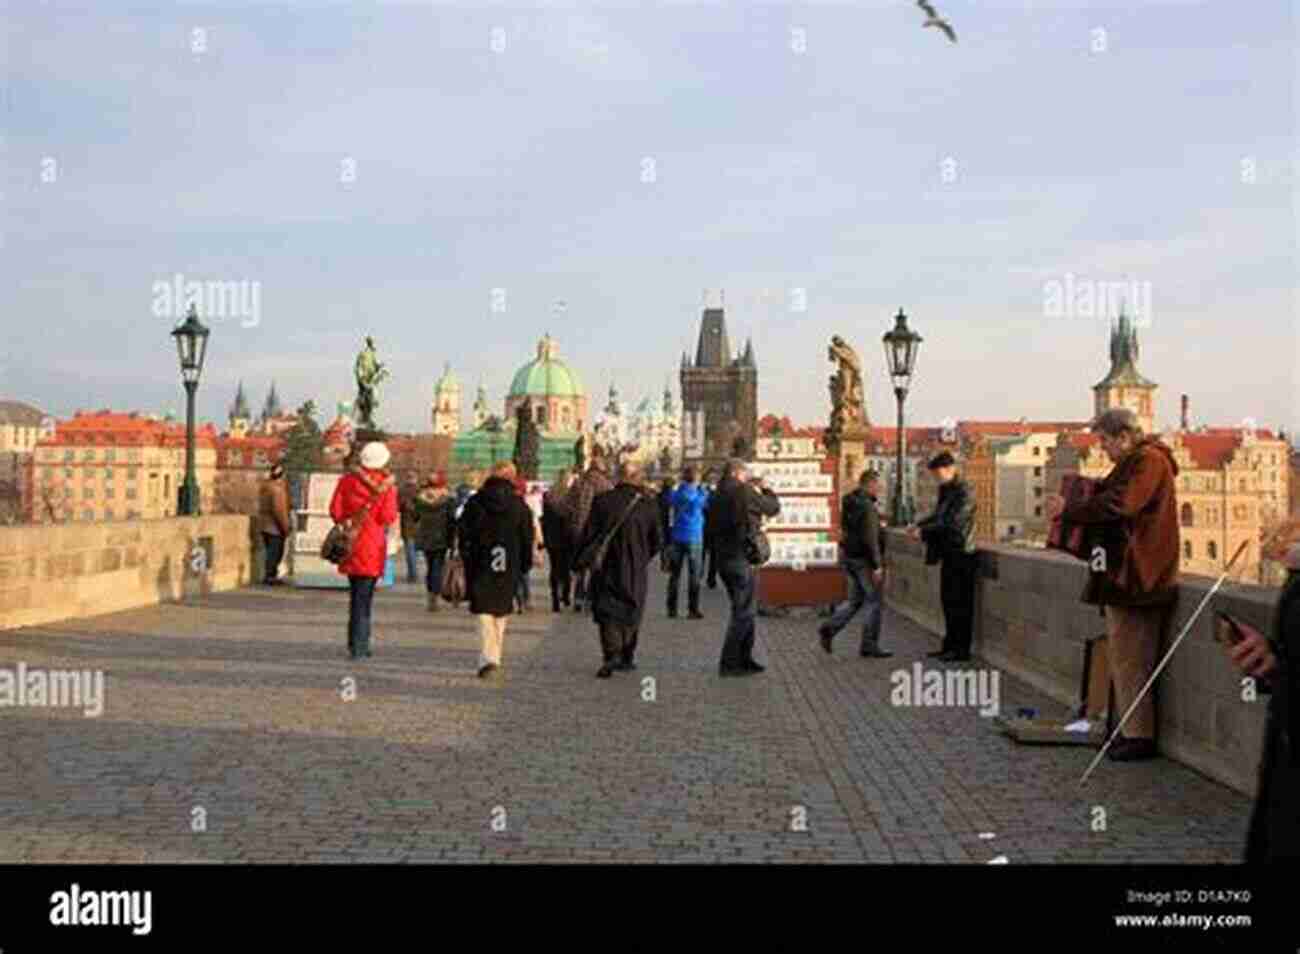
(342, 538)
(592, 556)
(453, 580)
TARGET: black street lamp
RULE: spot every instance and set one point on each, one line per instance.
(901, 346)
(192, 346)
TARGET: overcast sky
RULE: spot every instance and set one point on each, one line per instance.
(382, 168)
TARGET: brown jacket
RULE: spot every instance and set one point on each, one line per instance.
(273, 507)
(1135, 512)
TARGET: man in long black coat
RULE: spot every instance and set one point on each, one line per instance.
(618, 587)
(496, 542)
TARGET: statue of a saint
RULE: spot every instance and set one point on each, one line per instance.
(848, 407)
(369, 372)
(528, 442)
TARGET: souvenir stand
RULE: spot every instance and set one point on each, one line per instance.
(804, 569)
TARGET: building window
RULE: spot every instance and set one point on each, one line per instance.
(1038, 511)
(1187, 549)
(110, 455)
(130, 493)
(131, 473)
(67, 492)
(1212, 550)
(87, 514)
(1186, 513)
(108, 493)
(88, 454)
(1038, 451)
(108, 513)
(1038, 491)
(69, 454)
(540, 415)
(67, 472)
(1038, 471)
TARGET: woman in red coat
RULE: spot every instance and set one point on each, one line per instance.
(369, 484)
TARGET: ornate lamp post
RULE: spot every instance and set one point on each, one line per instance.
(901, 346)
(192, 346)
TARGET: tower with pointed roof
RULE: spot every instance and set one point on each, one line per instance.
(272, 408)
(480, 410)
(1124, 386)
(719, 396)
(446, 403)
(240, 416)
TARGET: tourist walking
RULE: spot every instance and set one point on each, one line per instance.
(556, 539)
(435, 533)
(863, 561)
(273, 521)
(628, 516)
(949, 536)
(406, 495)
(495, 535)
(367, 494)
(593, 482)
(735, 514)
(687, 503)
(1134, 513)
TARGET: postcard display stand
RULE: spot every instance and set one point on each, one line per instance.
(309, 570)
(804, 569)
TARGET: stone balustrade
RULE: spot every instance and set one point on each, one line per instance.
(1030, 623)
(64, 571)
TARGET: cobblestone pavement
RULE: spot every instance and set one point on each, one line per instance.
(228, 714)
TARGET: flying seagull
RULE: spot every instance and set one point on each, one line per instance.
(934, 20)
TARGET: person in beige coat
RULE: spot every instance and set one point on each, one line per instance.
(273, 521)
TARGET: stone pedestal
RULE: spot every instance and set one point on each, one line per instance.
(852, 459)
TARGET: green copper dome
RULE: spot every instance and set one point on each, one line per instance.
(546, 375)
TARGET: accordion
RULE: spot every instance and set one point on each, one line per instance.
(1076, 539)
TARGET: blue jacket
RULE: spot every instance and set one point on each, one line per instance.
(689, 501)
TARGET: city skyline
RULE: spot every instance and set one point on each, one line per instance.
(824, 167)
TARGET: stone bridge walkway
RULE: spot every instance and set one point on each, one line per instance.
(227, 714)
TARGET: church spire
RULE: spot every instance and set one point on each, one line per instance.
(272, 407)
(239, 410)
(747, 359)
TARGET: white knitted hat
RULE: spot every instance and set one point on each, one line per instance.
(374, 456)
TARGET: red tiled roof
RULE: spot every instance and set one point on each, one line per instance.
(1210, 451)
(124, 429)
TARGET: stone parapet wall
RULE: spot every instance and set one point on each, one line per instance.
(1030, 623)
(66, 571)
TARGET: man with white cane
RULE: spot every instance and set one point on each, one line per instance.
(1133, 516)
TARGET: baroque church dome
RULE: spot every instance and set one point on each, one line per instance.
(546, 375)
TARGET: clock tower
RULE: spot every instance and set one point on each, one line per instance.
(1124, 386)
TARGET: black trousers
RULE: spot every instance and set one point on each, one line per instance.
(274, 544)
(957, 593)
(711, 575)
(618, 641)
(561, 575)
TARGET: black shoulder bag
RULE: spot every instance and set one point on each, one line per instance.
(592, 556)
